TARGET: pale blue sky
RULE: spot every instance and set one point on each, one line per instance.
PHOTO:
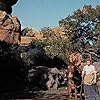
(47, 13)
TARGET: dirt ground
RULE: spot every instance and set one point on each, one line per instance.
(60, 94)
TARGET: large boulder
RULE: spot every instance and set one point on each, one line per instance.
(6, 5)
(53, 78)
(43, 77)
(10, 28)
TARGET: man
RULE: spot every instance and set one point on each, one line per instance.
(89, 81)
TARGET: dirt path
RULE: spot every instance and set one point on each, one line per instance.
(60, 94)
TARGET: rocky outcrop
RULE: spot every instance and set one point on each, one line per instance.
(44, 78)
(10, 28)
(6, 5)
(28, 35)
(54, 78)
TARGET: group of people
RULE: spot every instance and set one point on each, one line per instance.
(89, 77)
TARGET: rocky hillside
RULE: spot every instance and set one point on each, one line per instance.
(28, 34)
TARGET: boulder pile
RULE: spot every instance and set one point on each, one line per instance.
(10, 27)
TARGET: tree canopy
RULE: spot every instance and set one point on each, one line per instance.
(82, 31)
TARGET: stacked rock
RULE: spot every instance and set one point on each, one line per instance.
(10, 27)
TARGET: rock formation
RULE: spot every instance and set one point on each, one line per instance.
(28, 35)
(6, 5)
(10, 27)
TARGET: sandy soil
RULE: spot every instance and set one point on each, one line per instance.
(60, 94)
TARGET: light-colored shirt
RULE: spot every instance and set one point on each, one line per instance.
(88, 69)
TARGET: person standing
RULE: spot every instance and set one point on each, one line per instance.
(75, 59)
(89, 81)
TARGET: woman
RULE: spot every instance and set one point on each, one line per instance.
(89, 81)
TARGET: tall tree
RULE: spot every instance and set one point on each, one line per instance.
(82, 31)
(83, 27)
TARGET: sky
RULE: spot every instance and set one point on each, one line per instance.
(37, 14)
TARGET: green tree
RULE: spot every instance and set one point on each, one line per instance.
(83, 26)
(82, 30)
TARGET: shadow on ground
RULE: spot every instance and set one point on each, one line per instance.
(60, 94)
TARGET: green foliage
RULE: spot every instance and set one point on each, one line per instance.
(58, 48)
(54, 48)
(82, 31)
(38, 44)
(83, 27)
